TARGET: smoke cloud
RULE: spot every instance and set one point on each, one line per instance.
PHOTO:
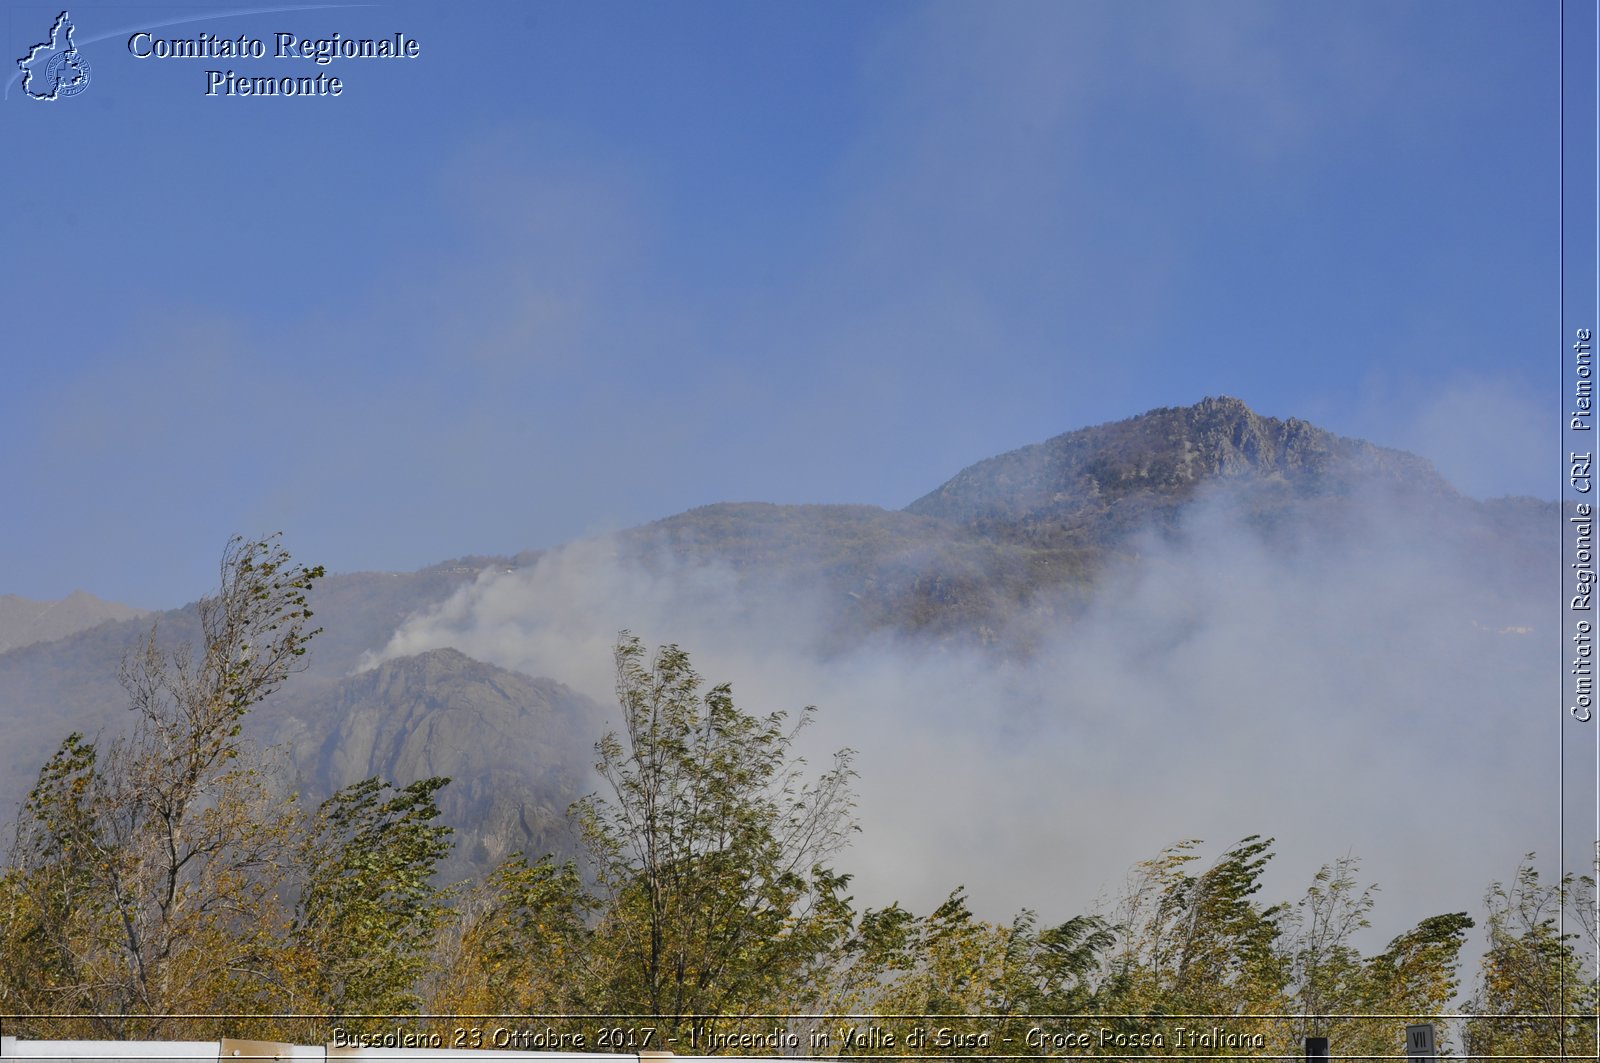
(1362, 679)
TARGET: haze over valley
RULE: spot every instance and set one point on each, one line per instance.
(1199, 622)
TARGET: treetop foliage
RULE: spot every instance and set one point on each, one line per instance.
(709, 848)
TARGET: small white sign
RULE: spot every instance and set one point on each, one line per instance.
(1419, 1042)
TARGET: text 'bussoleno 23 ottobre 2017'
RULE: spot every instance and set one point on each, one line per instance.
(321, 51)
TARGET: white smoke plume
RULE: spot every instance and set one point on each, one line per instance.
(1370, 689)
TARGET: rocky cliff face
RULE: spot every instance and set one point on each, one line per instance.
(1159, 459)
(514, 747)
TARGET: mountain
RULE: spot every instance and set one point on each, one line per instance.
(1017, 542)
(24, 621)
(513, 746)
(1114, 477)
(1003, 554)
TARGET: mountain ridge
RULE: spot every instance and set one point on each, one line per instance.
(1005, 552)
(1170, 450)
(25, 621)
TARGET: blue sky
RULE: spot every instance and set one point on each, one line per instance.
(583, 265)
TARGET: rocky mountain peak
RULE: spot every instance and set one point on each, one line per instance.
(1162, 457)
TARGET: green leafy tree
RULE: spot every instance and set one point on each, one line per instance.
(1199, 945)
(1328, 973)
(1535, 996)
(1416, 976)
(959, 975)
(968, 983)
(1338, 992)
(709, 852)
(369, 911)
(520, 943)
(1052, 971)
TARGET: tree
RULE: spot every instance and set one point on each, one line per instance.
(977, 983)
(1198, 945)
(709, 852)
(369, 910)
(1056, 973)
(1339, 992)
(1535, 998)
(1327, 976)
(142, 878)
(519, 943)
(961, 968)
